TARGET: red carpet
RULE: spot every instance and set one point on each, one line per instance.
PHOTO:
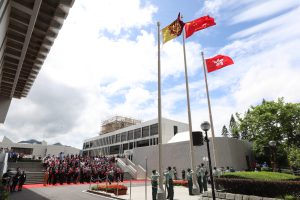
(57, 185)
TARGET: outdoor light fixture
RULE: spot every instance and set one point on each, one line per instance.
(272, 143)
(205, 126)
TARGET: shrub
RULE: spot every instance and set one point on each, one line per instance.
(266, 176)
(109, 187)
(180, 183)
(259, 187)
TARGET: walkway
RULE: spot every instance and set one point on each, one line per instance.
(77, 192)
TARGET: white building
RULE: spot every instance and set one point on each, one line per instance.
(140, 142)
(139, 135)
(37, 150)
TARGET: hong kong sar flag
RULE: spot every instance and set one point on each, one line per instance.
(217, 62)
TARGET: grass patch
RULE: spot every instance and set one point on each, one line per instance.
(267, 176)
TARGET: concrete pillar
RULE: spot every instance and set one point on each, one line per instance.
(4, 106)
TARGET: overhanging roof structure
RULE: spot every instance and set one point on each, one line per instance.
(28, 29)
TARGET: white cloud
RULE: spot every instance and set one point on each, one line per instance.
(282, 23)
(265, 9)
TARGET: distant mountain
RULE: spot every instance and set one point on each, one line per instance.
(58, 144)
(32, 141)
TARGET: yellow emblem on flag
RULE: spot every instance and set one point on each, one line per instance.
(173, 30)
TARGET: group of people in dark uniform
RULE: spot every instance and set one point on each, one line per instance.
(80, 169)
(171, 174)
(11, 180)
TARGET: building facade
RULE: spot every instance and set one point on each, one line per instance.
(36, 150)
(138, 135)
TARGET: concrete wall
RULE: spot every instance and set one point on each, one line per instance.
(230, 152)
(168, 129)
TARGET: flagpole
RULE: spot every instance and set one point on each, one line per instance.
(160, 192)
(209, 109)
(195, 188)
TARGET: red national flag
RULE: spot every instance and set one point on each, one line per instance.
(198, 24)
(218, 62)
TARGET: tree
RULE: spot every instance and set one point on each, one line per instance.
(272, 120)
(225, 132)
(233, 127)
(294, 157)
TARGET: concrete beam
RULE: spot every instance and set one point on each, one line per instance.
(36, 8)
(4, 106)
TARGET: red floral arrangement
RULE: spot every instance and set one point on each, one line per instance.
(180, 183)
(112, 187)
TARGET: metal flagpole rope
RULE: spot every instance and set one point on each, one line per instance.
(160, 192)
(210, 114)
(195, 188)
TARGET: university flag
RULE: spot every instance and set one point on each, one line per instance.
(173, 30)
(198, 24)
(218, 62)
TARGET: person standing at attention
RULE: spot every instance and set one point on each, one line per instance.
(189, 176)
(154, 183)
(169, 181)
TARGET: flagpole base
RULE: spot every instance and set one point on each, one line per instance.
(161, 194)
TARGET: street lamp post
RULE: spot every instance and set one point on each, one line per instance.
(205, 126)
(272, 144)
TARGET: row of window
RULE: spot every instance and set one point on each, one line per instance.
(125, 136)
(119, 149)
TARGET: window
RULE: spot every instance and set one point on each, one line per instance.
(145, 131)
(118, 138)
(137, 133)
(113, 139)
(130, 135)
(154, 129)
(131, 145)
(123, 136)
(175, 129)
(125, 146)
(114, 149)
(143, 143)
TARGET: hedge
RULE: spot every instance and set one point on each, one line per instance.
(259, 187)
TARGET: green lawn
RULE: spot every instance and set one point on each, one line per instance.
(271, 176)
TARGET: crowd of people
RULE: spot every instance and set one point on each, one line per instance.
(13, 181)
(81, 169)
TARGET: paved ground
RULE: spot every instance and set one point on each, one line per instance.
(76, 192)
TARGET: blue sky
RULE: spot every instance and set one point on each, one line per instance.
(104, 63)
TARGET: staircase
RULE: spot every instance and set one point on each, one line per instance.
(33, 170)
(132, 170)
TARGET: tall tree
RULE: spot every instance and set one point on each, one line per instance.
(272, 120)
(233, 128)
(225, 132)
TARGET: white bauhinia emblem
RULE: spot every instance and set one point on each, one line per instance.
(218, 62)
